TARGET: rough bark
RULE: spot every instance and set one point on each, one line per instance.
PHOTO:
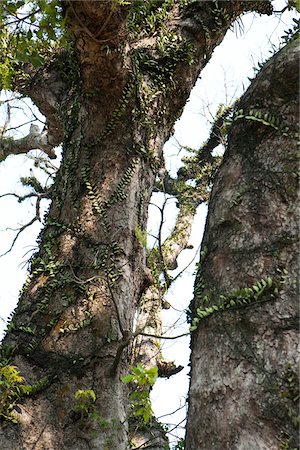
(244, 387)
(73, 325)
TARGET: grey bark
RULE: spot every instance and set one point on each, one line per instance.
(74, 321)
(244, 388)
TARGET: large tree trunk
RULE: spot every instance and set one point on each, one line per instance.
(72, 329)
(244, 385)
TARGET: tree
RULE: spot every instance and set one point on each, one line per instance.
(244, 386)
(110, 97)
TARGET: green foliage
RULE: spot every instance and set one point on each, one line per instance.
(263, 290)
(11, 385)
(85, 403)
(141, 236)
(221, 16)
(286, 445)
(85, 400)
(147, 16)
(122, 2)
(29, 32)
(294, 4)
(180, 445)
(120, 194)
(143, 380)
(171, 46)
(6, 353)
(12, 389)
(289, 392)
(153, 256)
(79, 325)
(32, 182)
(265, 118)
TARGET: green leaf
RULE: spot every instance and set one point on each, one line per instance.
(153, 371)
(147, 415)
(139, 412)
(84, 394)
(127, 378)
(92, 394)
(138, 369)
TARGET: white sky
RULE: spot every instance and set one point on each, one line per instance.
(223, 80)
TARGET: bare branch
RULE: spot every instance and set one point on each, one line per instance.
(21, 198)
(6, 123)
(36, 139)
(187, 266)
(39, 198)
(160, 249)
(172, 338)
(179, 238)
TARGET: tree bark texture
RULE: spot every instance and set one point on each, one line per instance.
(244, 385)
(115, 103)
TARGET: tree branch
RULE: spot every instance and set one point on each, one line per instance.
(179, 238)
(36, 139)
(39, 198)
(164, 337)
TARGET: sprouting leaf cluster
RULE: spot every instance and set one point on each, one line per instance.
(12, 388)
(85, 402)
(143, 379)
(29, 32)
(32, 182)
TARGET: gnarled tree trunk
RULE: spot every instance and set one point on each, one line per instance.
(244, 385)
(117, 99)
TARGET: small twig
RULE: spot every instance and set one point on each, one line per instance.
(173, 412)
(188, 265)
(3, 129)
(20, 198)
(164, 337)
(39, 198)
(164, 268)
(34, 219)
(148, 442)
(21, 125)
